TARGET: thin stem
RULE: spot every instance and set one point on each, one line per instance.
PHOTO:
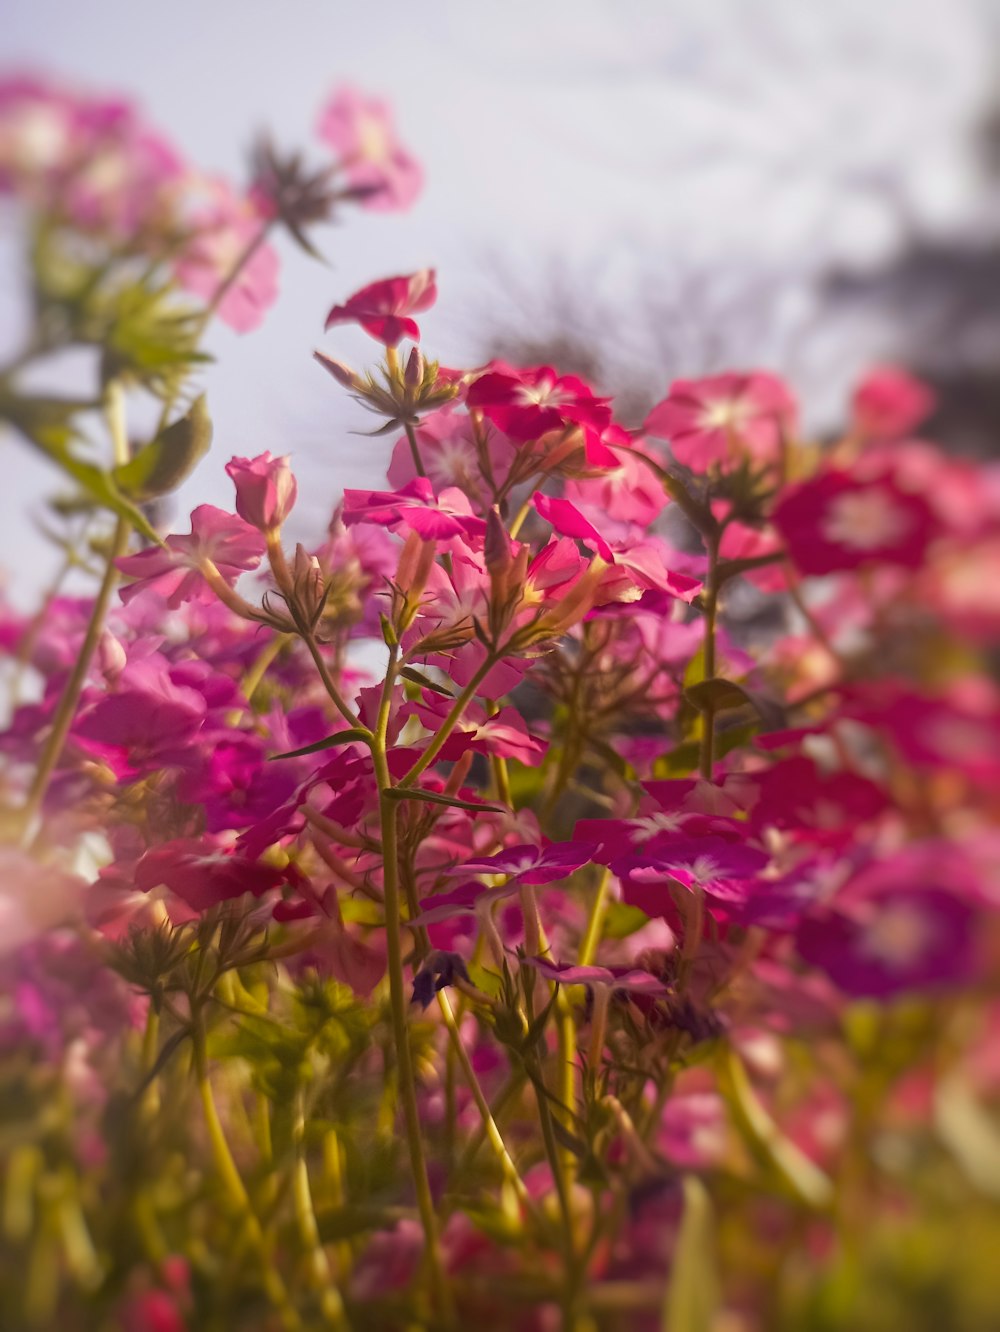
(233, 1182)
(411, 437)
(711, 602)
(450, 722)
(339, 702)
(493, 1134)
(251, 681)
(331, 1304)
(66, 708)
(388, 809)
(595, 921)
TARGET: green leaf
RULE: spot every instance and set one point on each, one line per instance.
(168, 459)
(621, 920)
(46, 423)
(694, 1293)
(718, 695)
(435, 798)
(418, 678)
(331, 742)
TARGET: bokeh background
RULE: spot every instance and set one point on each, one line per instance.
(636, 189)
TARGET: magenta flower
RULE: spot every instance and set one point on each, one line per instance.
(383, 309)
(266, 490)
(914, 938)
(360, 129)
(218, 541)
(529, 403)
(414, 507)
(724, 418)
(888, 403)
(531, 864)
(202, 874)
(222, 233)
(834, 522)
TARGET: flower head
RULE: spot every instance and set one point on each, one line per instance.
(383, 309)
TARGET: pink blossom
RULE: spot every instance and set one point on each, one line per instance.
(223, 233)
(889, 402)
(217, 538)
(450, 455)
(415, 507)
(531, 864)
(692, 1131)
(529, 403)
(203, 874)
(724, 418)
(383, 308)
(361, 130)
(265, 490)
(34, 897)
(834, 521)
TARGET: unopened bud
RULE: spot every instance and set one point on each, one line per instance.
(342, 373)
(496, 548)
(413, 375)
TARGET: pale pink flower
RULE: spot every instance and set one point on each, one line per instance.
(889, 402)
(724, 418)
(360, 129)
(224, 229)
(174, 571)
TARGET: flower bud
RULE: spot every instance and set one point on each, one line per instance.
(342, 373)
(265, 490)
(413, 375)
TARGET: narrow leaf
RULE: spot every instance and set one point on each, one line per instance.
(331, 742)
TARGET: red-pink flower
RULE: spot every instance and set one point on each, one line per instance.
(218, 540)
(724, 418)
(265, 490)
(888, 403)
(834, 522)
(361, 130)
(223, 231)
(202, 874)
(528, 403)
(383, 308)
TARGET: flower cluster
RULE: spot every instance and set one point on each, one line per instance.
(605, 951)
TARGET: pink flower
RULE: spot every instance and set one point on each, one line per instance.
(834, 522)
(202, 874)
(222, 541)
(265, 490)
(528, 403)
(724, 418)
(910, 938)
(888, 403)
(34, 897)
(383, 308)
(223, 232)
(449, 453)
(415, 507)
(360, 129)
(531, 864)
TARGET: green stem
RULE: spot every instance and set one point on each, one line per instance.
(331, 1303)
(411, 436)
(711, 603)
(233, 1183)
(450, 722)
(66, 708)
(397, 996)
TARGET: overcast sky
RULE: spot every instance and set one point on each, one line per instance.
(621, 142)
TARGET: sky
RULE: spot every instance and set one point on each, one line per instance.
(617, 146)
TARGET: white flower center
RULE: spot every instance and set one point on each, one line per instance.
(865, 520)
(898, 936)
